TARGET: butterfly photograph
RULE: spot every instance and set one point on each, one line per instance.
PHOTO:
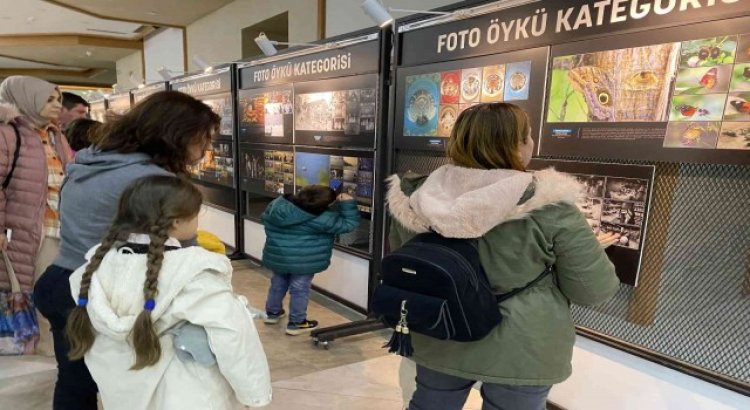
(697, 107)
(737, 107)
(624, 85)
(699, 135)
(741, 77)
(703, 80)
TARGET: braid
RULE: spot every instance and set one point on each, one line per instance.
(78, 329)
(145, 340)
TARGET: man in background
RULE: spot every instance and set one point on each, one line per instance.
(74, 107)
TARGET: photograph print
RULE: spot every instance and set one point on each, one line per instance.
(626, 189)
(624, 85)
(422, 105)
(517, 76)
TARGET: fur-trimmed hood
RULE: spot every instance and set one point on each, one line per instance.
(8, 112)
(466, 203)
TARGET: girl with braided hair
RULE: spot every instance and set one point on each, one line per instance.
(138, 286)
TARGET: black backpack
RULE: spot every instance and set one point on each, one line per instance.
(436, 286)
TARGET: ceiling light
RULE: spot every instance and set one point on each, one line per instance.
(267, 46)
(378, 13)
(200, 62)
(164, 73)
(135, 81)
(89, 53)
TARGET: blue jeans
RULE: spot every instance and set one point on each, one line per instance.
(439, 391)
(299, 294)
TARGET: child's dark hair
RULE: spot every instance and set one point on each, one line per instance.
(81, 133)
(314, 199)
(149, 205)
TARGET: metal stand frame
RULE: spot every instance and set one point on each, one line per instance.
(323, 337)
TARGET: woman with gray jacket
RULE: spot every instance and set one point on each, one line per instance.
(162, 135)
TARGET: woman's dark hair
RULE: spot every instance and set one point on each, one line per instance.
(81, 133)
(164, 125)
(314, 199)
(150, 206)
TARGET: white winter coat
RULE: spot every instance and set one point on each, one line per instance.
(194, 286)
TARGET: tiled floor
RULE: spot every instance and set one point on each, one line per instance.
(356, 373)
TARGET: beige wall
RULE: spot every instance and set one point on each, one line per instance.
(345, 16)
(134, 63)
(217, 38)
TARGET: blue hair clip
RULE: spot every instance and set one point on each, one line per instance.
(149, 305)
(82, 302)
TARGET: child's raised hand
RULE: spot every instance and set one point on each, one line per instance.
(345, 197)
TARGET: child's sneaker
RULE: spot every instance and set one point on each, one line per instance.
(295, 329)
(273, 318)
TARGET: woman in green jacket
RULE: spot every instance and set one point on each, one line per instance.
(524, 223)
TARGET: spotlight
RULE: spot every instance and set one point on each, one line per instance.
(135, 81)
(266, 45)
(376, 11)
(202, 64)
(164, 73)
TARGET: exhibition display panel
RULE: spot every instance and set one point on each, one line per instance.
(215, 173)
(98, 110)
(430, 97)
(683, 99)
(615, 200)
(118, 104)
(310, 117)
(645, 104)
(324, 98)
(143, 92)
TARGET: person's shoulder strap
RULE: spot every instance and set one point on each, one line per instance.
(16, 154)
(505, 296)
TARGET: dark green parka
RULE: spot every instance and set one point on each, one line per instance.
(522, 227)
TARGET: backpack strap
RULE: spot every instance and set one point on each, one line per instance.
(505, 296)
(16, 153)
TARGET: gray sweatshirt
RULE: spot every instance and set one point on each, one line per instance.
(89, 198)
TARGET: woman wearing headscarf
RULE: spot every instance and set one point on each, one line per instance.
(29, 204)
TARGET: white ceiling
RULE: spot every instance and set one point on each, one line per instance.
(6, 62)
(154, 12)
(41, 17)
(28, 26)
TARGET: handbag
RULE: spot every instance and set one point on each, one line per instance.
(19, 329)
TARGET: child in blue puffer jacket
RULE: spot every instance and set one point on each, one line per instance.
(300, 230)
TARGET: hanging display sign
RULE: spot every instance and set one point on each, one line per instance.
(616, 200)
(356, 59)
(544, 23)
(141, 93)
(325, 98)
(204, 84)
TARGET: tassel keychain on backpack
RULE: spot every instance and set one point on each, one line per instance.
(400, 342)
